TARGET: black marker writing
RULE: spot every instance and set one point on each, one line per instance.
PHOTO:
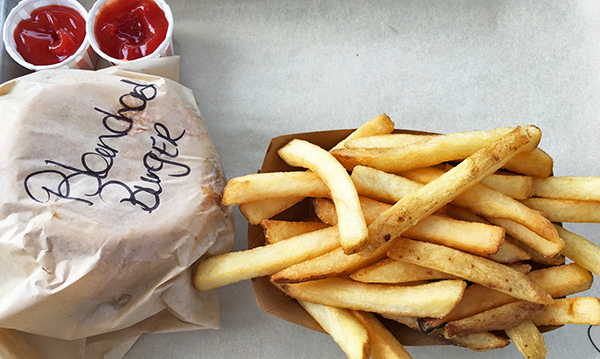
(94, 167)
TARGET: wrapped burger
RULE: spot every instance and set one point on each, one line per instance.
(110, 191)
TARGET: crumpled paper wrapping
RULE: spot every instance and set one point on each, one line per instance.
(110, 191)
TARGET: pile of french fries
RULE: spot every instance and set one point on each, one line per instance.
(456, 236)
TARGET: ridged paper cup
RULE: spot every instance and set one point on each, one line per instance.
(83, 58)
(164, 49)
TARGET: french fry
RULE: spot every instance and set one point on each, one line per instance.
(536, 163)
(528, 340)
(260, 261)
(257, 211)
(488, 202)
(384, 344)
(477, 341)
(508, 253)
(573, 188)
(478, 238)
(521, 267)
(565, 210)
(382, 186)
(480, 342)
(345, 329)
(351, 222)
(387, 141)
(558, 281)
(548, 247)
(266, 186)
(580, 250)
(499, 318)
(325, 209)
(534, 255)
(330, 264)
(379, 125)
(517, 187)
(421, 203)
(434, 150)
(470, 267)
(463, 223)
(575, 310)
(276, 231)
(433, 299)
(393, 271)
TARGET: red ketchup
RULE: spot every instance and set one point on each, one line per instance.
(50, 35)
(130, 29)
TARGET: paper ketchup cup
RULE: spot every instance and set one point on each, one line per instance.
(83, 57)
(165, 48)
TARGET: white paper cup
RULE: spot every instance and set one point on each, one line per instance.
(164, 49)
(83, 58)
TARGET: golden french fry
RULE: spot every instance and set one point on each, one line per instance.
(517, 187)
(573, 188)
(421, 203)
(528, 340)
(393, 271)
(536, 163)
(266, 186)
(558, 281)
(566, 210)
(330, 264)
(255, 212)
(580, 250)
(478, 238)
(265, 260)
(433, 299)
(575, 310)
(379, 125)
(547, 247)
(534, 255)
(384, 344)
(388, 141)
(480, 342)
(345, 329)
(488, 202)
(325, 209)
(508, 253)
(435, 150)
(470, 267)
(521, 267)
(276, 231)
(382, 186)
(477, 341)
(499, 318)
(351, 222)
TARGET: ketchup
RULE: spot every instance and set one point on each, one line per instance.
(130, 29)
(50, 35)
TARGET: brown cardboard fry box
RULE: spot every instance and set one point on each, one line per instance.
(110, 192)
(272, 300)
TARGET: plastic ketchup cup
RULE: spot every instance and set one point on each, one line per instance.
(124, 31)
(48, 34)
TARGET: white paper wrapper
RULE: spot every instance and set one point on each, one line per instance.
(110, 191)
